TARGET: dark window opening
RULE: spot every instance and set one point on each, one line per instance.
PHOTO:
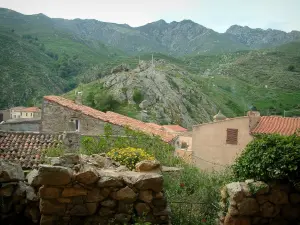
(232, 136)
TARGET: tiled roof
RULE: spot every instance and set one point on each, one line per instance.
(155, 126)
(80, 108)
(30, 109)
(112, 117)
(175, 128)
(134, 124)
(26, 148)
(277, 124)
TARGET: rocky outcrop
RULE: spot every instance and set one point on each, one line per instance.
(256, 202)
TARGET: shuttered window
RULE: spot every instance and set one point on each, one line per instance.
(232, 136)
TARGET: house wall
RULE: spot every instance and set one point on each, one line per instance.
(56, 118)
(6, 114)
(15, 114)
(209, 143)
(21, 126)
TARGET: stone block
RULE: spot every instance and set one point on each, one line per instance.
(142, 209)
(269, 210)
(295, 198)
(104, 211)
(91, 207)
(52, 207)
(278, 197)
(33, 178)
(64, 200)
(122, 218)
(235, 191)
(10, 171)
(110, 179)
(48, 220)
(30, 194)
(79, 210)
(126, 194)
(49, 192)
(148, 166)
(7, 190)
(87, 175)
(248, 206)
(124, 207)
(96, 195)
(54, 175)
(146, 196)
(71, 192)
(109, 203)
(231, 220)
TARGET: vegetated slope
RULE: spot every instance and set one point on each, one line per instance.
(26, 73)
(268, 79)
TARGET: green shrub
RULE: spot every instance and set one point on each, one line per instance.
(129, 157)
(291, 68)
(54, 151)
(137, 96)
(270, 157)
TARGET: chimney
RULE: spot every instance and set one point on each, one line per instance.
(254, 118)
(78, 97)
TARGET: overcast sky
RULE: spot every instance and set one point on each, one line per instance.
(215, 14)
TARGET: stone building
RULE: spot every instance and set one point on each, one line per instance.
(60, 115)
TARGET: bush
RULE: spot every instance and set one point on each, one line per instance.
(54, 151)
(291, 68)
(270, 157)
(137, 96)
(129, 157)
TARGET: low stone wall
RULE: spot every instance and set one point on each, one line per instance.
(246, 203)
(89, 191)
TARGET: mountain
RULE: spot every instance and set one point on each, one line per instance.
(259, 38)
(96, 41)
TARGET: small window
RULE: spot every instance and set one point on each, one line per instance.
(31, 114)
(26, 114)
(77, 125)
(232, 136)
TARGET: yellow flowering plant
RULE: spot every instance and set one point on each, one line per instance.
(129, 156)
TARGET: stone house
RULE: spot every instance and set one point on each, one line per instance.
(183, 146)
(215, 145)
(60, 115)
(29, 124)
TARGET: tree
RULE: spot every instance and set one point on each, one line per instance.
(291, 68)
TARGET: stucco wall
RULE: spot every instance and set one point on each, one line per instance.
(209, 143)
(55, 118)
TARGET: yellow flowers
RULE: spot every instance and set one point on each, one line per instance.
(129, 156)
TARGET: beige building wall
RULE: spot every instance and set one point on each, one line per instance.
(210, 150)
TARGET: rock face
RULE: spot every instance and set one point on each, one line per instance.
(255, 202)
(10, 171)
(88, 195)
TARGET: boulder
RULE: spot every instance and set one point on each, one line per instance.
(54, 175)
(126, 194)
(110, 178)
(278, 197)
(87, 175)
(269, 210)
(96, 194)
(30, 194)
(7, 190)
(104, 211)
(148, 166)
(109, 203)
(122, 218)
(231, 220)
(10, 171)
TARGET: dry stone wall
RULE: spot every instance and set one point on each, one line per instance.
(250, 202)
(85, 190)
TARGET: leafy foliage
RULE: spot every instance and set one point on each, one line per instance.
(137, 96)
(291, 68)
(129, 157)
(187, 188)
(54, 151)
(270, 157)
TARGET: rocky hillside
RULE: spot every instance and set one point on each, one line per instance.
(259, 38)
(193, 90)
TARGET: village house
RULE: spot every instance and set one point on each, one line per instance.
(64, 115)
(216, 145)
(25, 113)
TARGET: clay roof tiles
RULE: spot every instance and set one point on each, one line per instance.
(113, 118)
(175, 128)
(26, 148)
(277, 124)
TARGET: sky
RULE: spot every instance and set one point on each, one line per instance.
(218, 15)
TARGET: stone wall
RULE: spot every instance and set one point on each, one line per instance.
(86, 190)
(250, 202)
(56, 118)
(21, 125)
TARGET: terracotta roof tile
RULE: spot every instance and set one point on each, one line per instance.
(113, 118)
(30, 109)
(80, 108)
(175, 128)
(134, 124)
(26, 148)
(277, 124)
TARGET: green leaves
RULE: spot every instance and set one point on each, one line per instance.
(270, 157)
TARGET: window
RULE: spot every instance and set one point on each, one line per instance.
(31, 114)
(26, 114)
(232, 136)
(77, 123)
